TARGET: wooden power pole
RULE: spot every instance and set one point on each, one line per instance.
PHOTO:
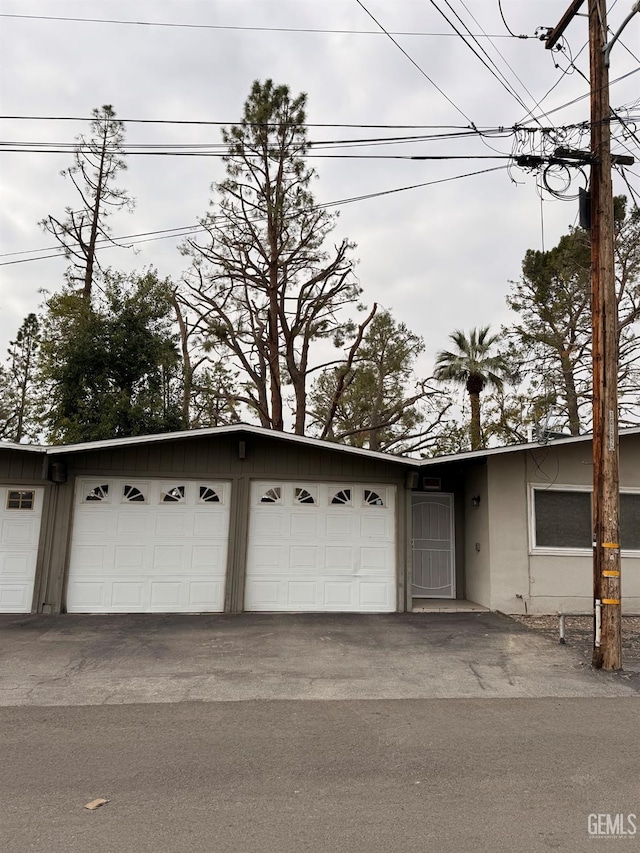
(607, 650)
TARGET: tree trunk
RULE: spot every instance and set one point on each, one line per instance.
(474, 428)
(187, 370)
(571, 395)
(88, 275)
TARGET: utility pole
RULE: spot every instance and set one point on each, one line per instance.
(607, 649)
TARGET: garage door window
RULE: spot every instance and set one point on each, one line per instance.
(209, 495)
(342, 497)
(372, 498)
(133, 494)
(272, 496)
(98, 493)
(172, 495)
(20, 500)
(304, 496)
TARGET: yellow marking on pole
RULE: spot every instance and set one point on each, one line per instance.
(610, 545)
(610, 573)
(611, 601)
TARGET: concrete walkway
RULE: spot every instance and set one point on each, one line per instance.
(93, 660)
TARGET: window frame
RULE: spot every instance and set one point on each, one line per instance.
(558, 550)
(22, 493)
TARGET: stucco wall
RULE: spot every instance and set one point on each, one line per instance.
(508, 532)
(549, 582)
(477, 544)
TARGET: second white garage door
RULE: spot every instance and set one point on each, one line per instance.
(321, 547)
(148, 546)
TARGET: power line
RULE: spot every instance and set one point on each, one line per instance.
(222, 154)
(508, 28)
(316, 30)
(413, 62)
(189, 229)
(582, 97)
(249, 124)
(505, 85)
(497, 50)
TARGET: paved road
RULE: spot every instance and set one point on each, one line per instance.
(447, 733)
(93, 660)
(377, 776)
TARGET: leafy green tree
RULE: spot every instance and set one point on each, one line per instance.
(18, 384)
(376, 402)
(552, 301)
(98, 160)
(263, 282)
(475, 365)
(113, 369)
(552, 336)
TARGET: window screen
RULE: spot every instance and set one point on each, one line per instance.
(563, 519)
(630, 522)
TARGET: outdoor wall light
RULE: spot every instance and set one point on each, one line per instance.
(475, 500)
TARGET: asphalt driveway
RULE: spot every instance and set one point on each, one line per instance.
(127, 659)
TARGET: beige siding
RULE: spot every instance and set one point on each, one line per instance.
(477, 540)
(508, 532)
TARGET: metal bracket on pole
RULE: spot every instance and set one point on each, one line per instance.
(610, 44)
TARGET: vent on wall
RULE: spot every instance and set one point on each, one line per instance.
(431, 484)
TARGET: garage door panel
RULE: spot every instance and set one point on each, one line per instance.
(205, 558)
(20, 518)
(167, 594)
(88, 594)
(330, 556)
(268, 557)
(205, 594)
(302, 594)
(170, 559)
(15, 598)
(19, 531)
(338, 595)
(304, 558)
(135, 523)
(339, 525)
(128, 557)
(339, 560)
(376, 527)
(147, 559)
(97, 524)
(173, 524)
(127, 593)
(303, 524)
(375, 560)
(271, 525)
(374, 594)
(263, 595)
(206, 525)
(18, 565)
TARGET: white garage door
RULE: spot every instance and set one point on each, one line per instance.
(20, 516)
(148, 546)
(321, 547)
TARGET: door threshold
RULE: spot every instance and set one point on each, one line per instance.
(446, 605)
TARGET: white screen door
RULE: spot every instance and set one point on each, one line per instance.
(433, 559)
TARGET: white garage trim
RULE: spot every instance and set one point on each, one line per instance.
(20, 518)
(148, 545)
(321, 547)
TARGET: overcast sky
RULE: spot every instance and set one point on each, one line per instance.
(439, 257)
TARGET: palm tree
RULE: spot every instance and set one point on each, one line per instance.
(473, 366)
